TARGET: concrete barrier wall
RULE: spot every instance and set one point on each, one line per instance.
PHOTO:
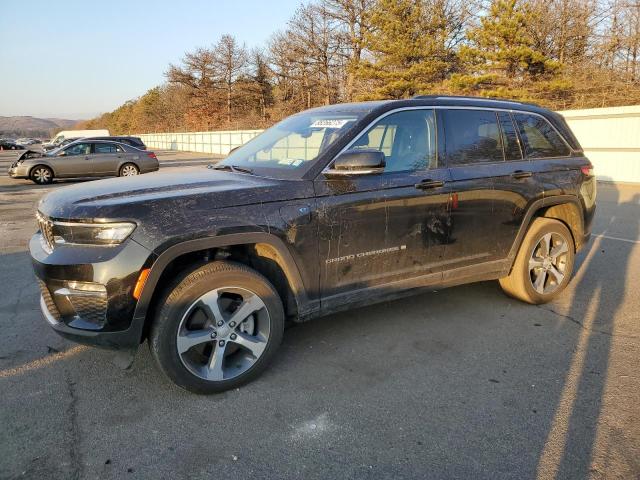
(217, 143)
(609, 136)
(611, 139)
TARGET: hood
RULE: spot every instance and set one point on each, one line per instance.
(132, 197)
(31, 154)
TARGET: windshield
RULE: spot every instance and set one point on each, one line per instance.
(289, 148)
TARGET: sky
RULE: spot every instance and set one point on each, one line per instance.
(76, 59)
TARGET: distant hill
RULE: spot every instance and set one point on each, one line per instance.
(32, 126)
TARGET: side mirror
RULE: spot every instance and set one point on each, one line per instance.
(358, 162)
(62, 154)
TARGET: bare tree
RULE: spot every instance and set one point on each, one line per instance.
(353, 17)
(230, 60)
(316, 43)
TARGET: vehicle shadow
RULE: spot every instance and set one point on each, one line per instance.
(599, 290)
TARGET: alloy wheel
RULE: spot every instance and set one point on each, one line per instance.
(223, 333)
(548, 263)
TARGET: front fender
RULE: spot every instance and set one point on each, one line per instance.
(285, 259)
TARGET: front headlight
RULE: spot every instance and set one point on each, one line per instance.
(91, 233)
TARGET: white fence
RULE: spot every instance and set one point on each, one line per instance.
(611, 139)
(609, 136)
(217, 143)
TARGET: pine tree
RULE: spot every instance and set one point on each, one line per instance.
(404, 56)
(501, 54)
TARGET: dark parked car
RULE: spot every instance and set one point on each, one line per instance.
(133, 141)
(6, 144)
(84, 158)
(332, 208)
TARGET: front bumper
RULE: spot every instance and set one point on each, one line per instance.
(18, 172)
(86, 291)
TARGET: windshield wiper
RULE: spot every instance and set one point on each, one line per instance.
(233, 168)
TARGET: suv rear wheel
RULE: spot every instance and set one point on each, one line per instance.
(544, 263)
(219, 327)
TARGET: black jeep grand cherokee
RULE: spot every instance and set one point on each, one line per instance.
(334, 207)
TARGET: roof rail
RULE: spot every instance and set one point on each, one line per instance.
(476, 99)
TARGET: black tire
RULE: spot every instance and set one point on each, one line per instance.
(41, 175)
(128, 167)
(520, 283)
(179, 301)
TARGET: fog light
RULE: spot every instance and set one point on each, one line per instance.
(94, 288)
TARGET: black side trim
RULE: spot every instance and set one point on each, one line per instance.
(410, 286)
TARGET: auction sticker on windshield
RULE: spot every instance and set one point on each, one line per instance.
(332, 122)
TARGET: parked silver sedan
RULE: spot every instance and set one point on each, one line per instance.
(84, 158)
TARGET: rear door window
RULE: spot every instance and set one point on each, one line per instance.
(103, 148)
(540, 139)
(472, 136)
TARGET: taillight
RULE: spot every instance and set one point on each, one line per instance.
(152, 155)
(587, 170)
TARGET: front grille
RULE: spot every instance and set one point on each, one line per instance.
(48, 300)
(46, 229)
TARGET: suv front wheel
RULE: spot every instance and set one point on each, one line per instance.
(219, 327)
(544, 263)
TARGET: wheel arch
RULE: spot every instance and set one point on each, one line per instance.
(262, 252)
(570, 214)
(564, 208)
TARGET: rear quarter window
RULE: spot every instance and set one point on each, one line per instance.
(539, 138)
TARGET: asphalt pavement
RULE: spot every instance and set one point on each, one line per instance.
(458, 383)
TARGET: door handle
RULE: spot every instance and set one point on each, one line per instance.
(86, 158)
(521, 174)
(427, 184)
